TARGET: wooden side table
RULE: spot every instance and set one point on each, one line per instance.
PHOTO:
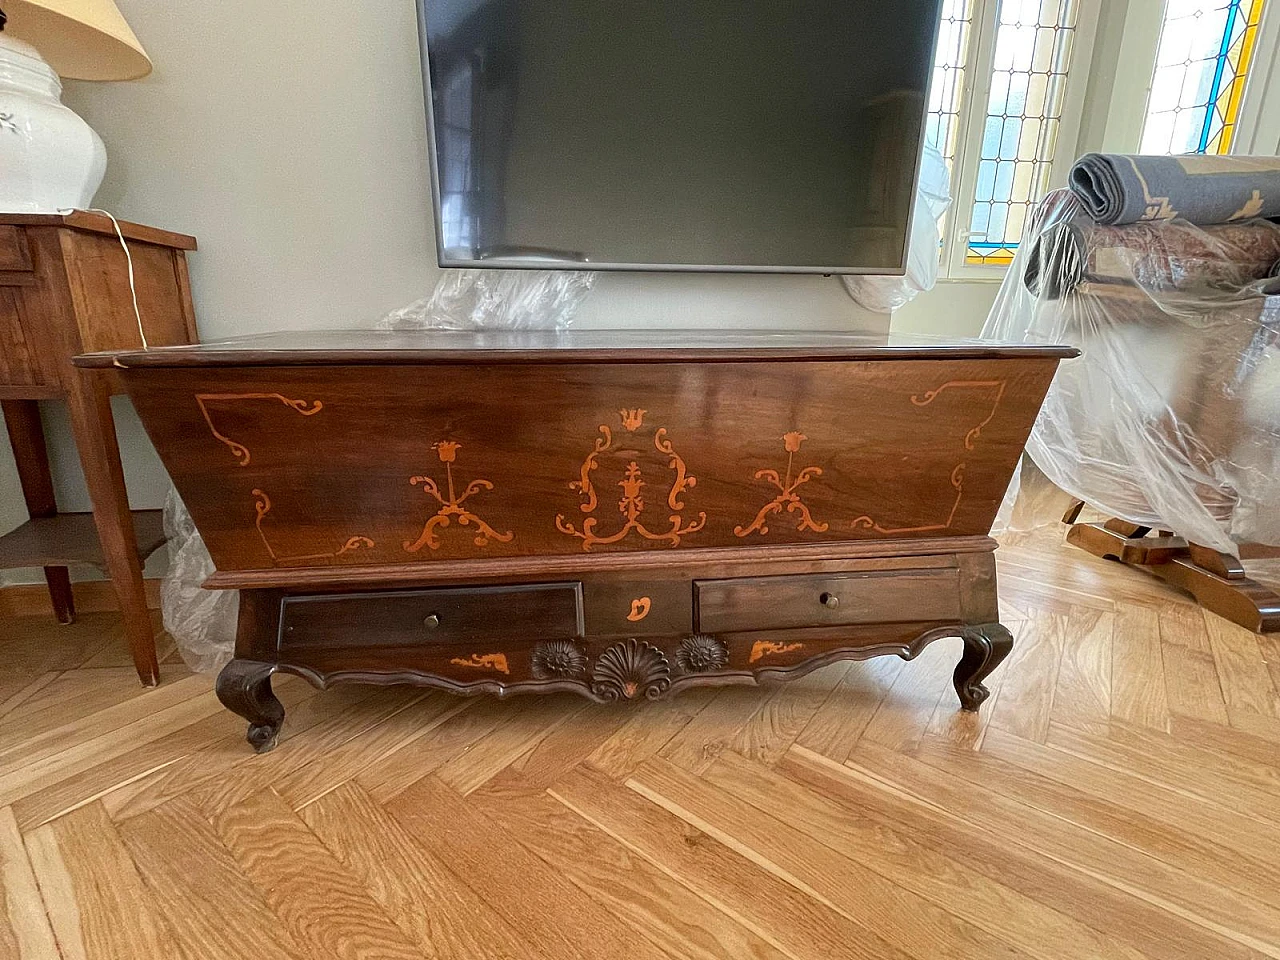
(64, 290)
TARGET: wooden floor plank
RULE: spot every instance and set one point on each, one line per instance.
(319, 901)
(1125, 852)
(907, 709)
(778, 913)
(1138, 692)
(1246, 682)
(898, 852)
(851, 888)
(698, 743)
(1031, 674)
(427, 899)
(525, 726)
(96, 899)
(647, 730)
(213, 908)
(656, 907)
(526, 892)
(839, 722)
(25, 933)
(776, 725)
(1081, 695)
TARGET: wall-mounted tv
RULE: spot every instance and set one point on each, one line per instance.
(739, 135)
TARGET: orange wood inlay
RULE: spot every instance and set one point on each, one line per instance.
(447, 450)
(239, 449)
(767, 648)
(263, 506)
(484, 661)
(866, 522)
(639, 609)
(632, 503)
(787, 497)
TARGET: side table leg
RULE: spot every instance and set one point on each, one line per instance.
(26, 436)
(95, 435)
(244, 687)
(985, 647)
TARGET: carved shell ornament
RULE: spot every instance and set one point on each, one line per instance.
(629, 670)
(559, 660)
(701, 654)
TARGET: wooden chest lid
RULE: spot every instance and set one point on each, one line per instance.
(373, 347)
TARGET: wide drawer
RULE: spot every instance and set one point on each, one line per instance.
(779, 603)
(464, 615)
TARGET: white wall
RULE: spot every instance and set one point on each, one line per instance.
(289, 137)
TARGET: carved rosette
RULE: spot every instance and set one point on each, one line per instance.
(629, 670)
(559, 660)
(701, 654)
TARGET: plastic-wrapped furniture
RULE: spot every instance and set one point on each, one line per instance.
(1170, 421)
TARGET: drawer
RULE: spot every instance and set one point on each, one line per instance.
(780, 603)
(454, 615)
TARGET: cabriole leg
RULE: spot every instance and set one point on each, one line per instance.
(985, 646)
(244, 687)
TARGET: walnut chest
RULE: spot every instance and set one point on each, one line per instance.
(621, 514)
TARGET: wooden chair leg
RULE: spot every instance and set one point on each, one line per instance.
(26, 437)
(95, 434)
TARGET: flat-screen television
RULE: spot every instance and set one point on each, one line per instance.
(743, 135)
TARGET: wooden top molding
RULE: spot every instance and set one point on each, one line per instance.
(98, 223)
(371, 347)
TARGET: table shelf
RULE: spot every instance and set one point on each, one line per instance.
(72, 539)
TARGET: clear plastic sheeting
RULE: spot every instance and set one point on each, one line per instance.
(933, 198)
(1171, 417)
(203, 622)
(496, 300)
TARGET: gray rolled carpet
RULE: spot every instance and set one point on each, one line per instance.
(1120, 188)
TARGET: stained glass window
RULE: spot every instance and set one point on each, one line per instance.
(1028, 88)
(942, 126)
(1206, 48)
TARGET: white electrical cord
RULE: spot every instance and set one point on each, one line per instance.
(133, 290)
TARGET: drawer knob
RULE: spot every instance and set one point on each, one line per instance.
(829, 600)
(432, 621)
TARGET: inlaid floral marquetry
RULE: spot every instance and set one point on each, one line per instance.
(451, 504)
(788, 498)
(634, 499)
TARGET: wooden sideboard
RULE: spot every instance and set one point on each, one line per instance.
(620, 514)
(64, 289)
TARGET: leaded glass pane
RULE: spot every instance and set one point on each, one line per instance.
(1206, 48)
(1032, 54)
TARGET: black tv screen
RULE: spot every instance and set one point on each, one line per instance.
(761, 135)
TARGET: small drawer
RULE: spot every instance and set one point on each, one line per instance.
(461, 615)
(14, 253)
(781, 603)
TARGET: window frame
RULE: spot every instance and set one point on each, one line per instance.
(976, 92)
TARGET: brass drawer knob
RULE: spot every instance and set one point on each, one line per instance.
(829, 600)
(432, 621)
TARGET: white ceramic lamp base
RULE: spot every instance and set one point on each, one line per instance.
(50, 159)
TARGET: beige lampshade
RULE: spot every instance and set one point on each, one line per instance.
(80, 39)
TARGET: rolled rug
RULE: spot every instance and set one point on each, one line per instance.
(1068, 247)
(1118, 188)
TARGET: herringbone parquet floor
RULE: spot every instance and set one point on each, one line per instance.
(1118, 797)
